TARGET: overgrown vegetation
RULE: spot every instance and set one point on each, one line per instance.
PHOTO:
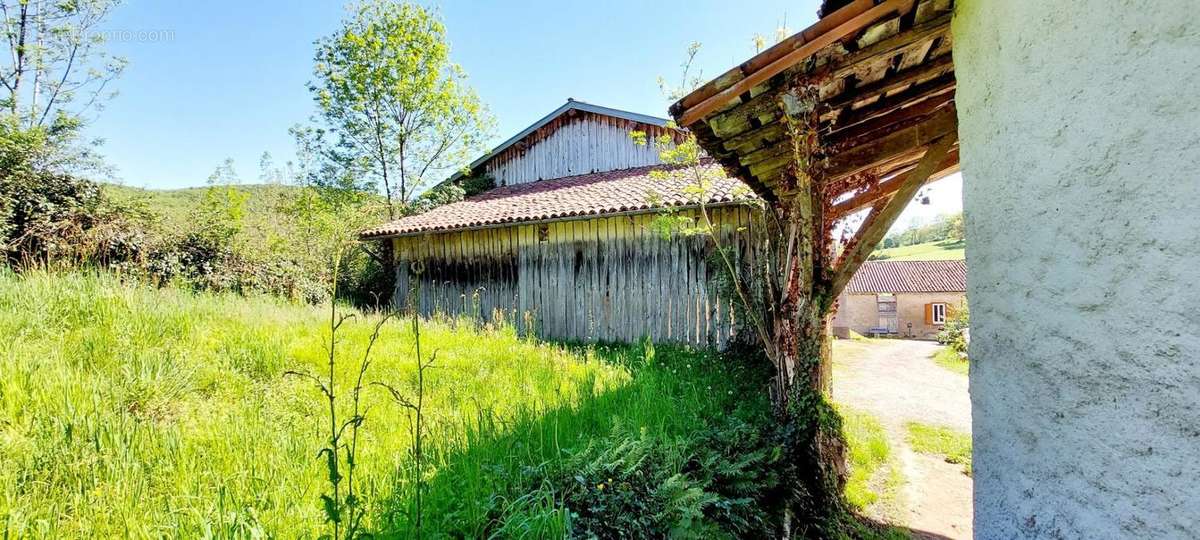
(225, 237)
(782, 297)
(144, 399)
(956, 330)
(951, 445)
(130, 410)
(954, 335)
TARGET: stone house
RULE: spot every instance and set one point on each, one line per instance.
(912, 299)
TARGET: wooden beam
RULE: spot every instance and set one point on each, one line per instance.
(891, 146)
(882, 218)
(891, 46)
(804, 48)
(886, 189)
(917, 94)
(737, 73)
(932, 68)
(843, 137)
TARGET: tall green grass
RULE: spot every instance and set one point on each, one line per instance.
(139, 412)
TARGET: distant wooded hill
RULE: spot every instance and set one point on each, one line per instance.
(944, 239)
(175, 208)
(943, 250)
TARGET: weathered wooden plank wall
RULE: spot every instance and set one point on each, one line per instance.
(604, 279)
(579, 143)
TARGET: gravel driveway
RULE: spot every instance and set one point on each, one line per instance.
(896, 382)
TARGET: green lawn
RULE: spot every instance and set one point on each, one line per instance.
(128, 411)
(951, 445)
(949, 359)
(930, 251)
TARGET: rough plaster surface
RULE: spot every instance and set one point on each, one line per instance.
(1080, 127)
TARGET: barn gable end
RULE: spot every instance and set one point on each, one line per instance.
(566, 245)
(577, 138)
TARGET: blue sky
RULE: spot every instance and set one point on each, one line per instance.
(210, 80)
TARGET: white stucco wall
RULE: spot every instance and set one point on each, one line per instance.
(1080, 128)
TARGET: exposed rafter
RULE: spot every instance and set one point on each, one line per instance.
(885, 189)
(885, 214)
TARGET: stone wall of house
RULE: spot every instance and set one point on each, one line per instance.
(855, 312)
(859, 312)
(1080, 133)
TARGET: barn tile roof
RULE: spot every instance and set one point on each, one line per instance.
(595, 194)
(909, 277)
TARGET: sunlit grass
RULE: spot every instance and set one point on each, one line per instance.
(949, 359)
(951, 445)
(869, 452)
(942, 250)
(127, 411)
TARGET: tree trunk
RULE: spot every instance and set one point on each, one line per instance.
(801, 349)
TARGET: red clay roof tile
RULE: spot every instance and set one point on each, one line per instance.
(583, 195)
(909, 277)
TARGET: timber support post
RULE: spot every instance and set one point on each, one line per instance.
(836, 128)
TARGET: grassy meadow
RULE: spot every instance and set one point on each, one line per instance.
(129, 411)
(943, 250)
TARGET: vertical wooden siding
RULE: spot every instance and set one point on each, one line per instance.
(576, 144)
(603, 279)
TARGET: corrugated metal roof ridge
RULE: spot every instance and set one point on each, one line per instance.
(909, 276)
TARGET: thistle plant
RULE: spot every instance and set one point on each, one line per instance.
(414, 403)
(344, 506)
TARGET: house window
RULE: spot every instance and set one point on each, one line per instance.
(938, 313)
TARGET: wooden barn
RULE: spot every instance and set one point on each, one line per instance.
(565, 245)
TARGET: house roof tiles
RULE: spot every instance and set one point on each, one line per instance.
(909, 277)
(595, 194)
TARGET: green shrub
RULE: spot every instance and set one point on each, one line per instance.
(47, 213)
(951, 334)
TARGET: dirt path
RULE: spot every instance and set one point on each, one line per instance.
(897, 382)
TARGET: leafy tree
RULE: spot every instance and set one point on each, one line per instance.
(398, 111)
(46, 213)
(223, 210)
(269, 173)
(56, 70)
